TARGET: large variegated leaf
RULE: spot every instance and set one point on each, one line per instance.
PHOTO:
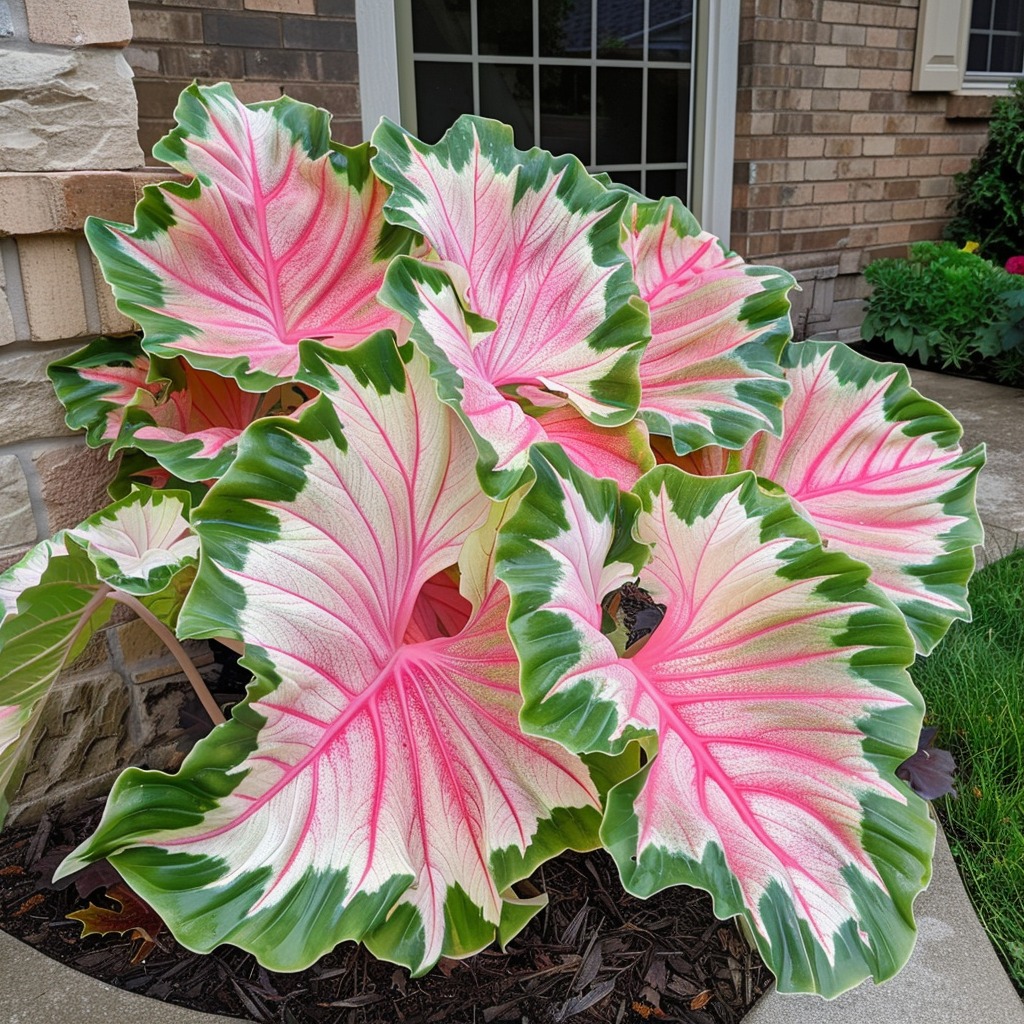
(531, 244)
(772, 700)
(374, 784)
(880, 472)
(64, 589)
(279, 237)
(710, 374)
(501, 427)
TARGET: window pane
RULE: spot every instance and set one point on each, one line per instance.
(506, 94)
(505, 27)
(441, 26)
(620, 29)
(564, 28)
(565, 110)
(977, 52)
(630, 178)
(1009, 15)
(666, 183)
(668, 116)
(443, 91)
(619, 109)
(981, 14)
(670, 34)
(1007, 54)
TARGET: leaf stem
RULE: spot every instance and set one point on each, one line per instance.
(173, 645)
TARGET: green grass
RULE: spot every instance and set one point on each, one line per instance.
(973, 686)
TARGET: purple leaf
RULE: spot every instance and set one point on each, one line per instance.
(929, 772)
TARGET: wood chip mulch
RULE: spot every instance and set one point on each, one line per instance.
(594, 954)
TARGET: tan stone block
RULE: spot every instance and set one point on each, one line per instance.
(283, 6)
(67, 109)
(79, 22)
(53, 287)
(73, 482)
(59, 202)
(7, 334)
(146, 658)
(17, 524)
(81, 734)
(112, 320)
(30, 204)
(30, 407)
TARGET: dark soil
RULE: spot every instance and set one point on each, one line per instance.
(595, 954)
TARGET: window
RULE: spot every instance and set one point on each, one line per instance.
(996, 43)
(974, 45)
(607, 80)
(645, 89)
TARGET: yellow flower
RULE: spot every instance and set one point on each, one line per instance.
(970, 247)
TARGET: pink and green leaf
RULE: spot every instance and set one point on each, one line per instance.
(139, 544)
(772, 701)
(54, 601)
(98, 383)
(374, 784)
(188, 420)
(530, 243)
(710, 374)
(278, 238)
(502, 425)
(880, 472)
(194, 431)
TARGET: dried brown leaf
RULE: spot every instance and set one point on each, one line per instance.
(135, 917)
(701, 999)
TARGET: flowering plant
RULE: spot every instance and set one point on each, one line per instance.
(1015, 265)
(535, 536)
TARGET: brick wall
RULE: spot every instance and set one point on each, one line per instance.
(305, 48)
(837, 161)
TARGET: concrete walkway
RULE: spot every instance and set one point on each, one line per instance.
(954, 975)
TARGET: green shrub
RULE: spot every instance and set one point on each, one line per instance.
(989, 203)
(946, 305)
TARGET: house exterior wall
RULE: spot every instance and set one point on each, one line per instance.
(837, 161)
(305, 48)
(68, 148)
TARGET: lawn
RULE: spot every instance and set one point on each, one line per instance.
(974, 690)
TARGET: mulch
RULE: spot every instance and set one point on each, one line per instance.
(595, 954)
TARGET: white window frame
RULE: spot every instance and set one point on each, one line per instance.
(384, 47)
(940, 58)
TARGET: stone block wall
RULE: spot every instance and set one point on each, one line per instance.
(68, 148)
(265, 48)
(837, 161)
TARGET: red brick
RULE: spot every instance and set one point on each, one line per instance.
(839, 11)
(879, 145)
(875, 14)
(844, 145)
(848, 35)
(883, 37)
(167, 26)
(854, 100)
(832, 192)
(805, 146)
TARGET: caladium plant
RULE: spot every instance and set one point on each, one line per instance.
(399, 408)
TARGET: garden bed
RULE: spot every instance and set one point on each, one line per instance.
(883, 353)
(595, 954)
